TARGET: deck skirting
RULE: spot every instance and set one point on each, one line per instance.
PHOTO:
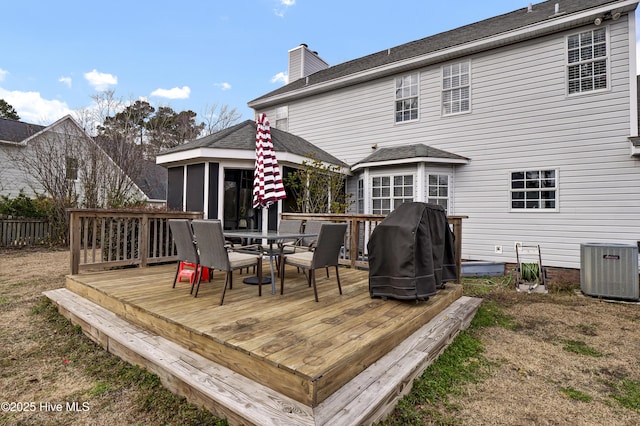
(366, 398)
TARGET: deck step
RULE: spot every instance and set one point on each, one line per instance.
(365, 399)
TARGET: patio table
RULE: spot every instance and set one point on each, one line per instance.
(271, 237)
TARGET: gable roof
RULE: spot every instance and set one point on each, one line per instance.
(448, 45)
(242, 136)
(410, 153)
(17, 131)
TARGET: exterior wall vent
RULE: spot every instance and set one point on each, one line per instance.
(609, 270)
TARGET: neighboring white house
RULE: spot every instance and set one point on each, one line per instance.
(67, 149)
(524, 122)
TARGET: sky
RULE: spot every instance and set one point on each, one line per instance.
(196, 54)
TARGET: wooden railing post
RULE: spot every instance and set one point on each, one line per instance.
(457, 234)
(354, 240)
(143, 240)
(74, 242)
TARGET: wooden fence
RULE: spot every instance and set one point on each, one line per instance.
(24, 232)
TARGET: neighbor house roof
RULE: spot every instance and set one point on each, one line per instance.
(152, 180)
(242, 136)
(16, 131)
(409, 153)
(478, 36)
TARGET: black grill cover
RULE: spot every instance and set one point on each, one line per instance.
(411, 253)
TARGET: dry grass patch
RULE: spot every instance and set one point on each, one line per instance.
(45, 360)
(528, 359)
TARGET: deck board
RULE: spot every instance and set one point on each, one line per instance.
(304, 349)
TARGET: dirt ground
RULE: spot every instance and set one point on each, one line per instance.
(530, 378)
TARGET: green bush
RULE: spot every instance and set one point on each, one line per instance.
(23, 206)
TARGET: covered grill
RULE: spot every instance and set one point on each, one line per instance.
(411, 253)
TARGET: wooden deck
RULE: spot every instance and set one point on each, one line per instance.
(304, 350)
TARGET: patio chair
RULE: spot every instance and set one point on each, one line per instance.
(187, 252)
(308, 243)
(215, 254)
(326, 252)
(288, 245)
(311, 227)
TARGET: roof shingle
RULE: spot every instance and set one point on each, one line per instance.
(242, 136)
(408, 152)
(520, 18)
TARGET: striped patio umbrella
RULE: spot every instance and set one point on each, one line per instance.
(267, 181)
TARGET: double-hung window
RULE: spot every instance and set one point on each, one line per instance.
(456, 88)
(388, 192)
(439, 190)
(282, 118)
(587, 61)
(71, 168)
(534, 189)
(360, 197)
(406, 98)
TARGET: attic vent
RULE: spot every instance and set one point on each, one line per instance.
(557, 11)
(530, 8)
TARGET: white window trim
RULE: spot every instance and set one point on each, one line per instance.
(525, 210)
(567, 64)
(442, 90)
(395, 99)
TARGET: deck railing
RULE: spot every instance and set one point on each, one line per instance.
(106, 238)
(102, 239)
(359, 229)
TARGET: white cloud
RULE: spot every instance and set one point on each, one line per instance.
(66, 81)
(32, 108)
(281, 77)
(3, 74)
(175, 93)
(101, 81)
(283, 6)
(223, 86)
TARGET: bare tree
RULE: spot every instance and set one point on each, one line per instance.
(70, 168)
(105, 104)
(218, 118)
(51, 161)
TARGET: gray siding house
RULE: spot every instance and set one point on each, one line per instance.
(68, 148)
(527, 123)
